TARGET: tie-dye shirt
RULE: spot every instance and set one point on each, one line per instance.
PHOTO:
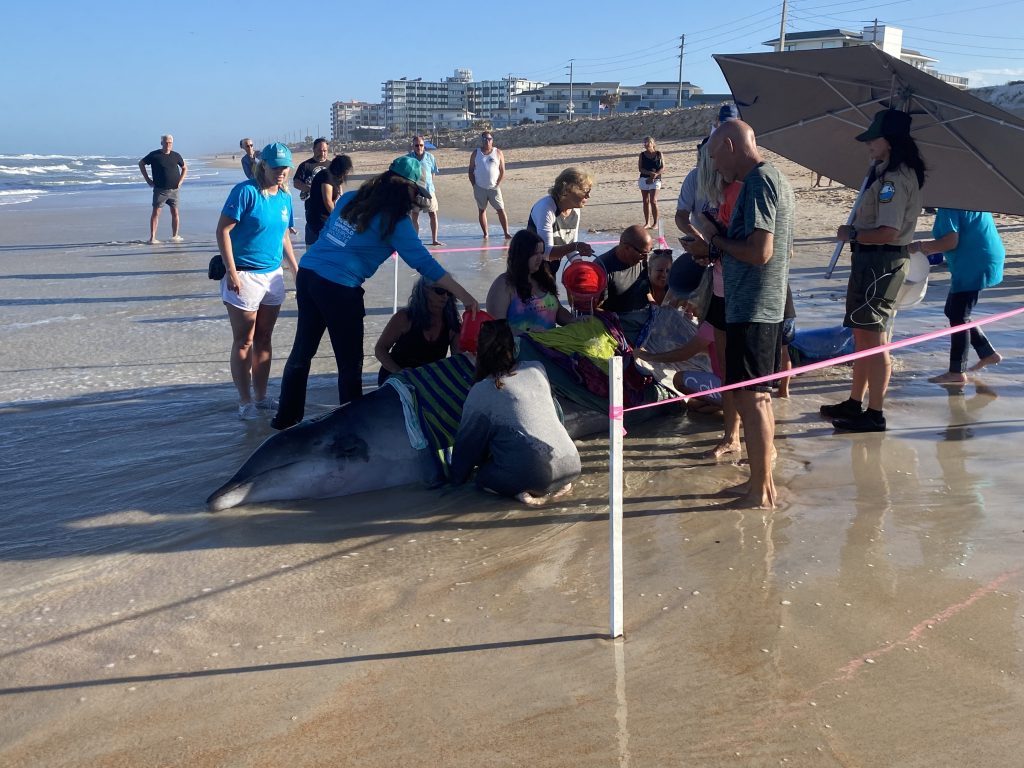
(537, 314)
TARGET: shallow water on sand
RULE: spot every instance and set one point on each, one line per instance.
(875, 619)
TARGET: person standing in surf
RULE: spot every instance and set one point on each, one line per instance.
(882, 229)
(169, 171)
(252, 234)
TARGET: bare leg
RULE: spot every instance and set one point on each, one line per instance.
(503, 218)
(154, 219)
(415, 216)
(433, 228)
(654, 209)
(243, 326)
(483, 221)
(262, 350)
(759, 428)
(646, 197)
(175, 220)
(871, 374)
(786, 365)
(730, 442)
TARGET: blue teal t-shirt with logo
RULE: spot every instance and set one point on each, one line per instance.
(257, 240)
(977, 261)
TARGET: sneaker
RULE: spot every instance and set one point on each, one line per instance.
(247, 411)
(848, 409)
(177, 239)
(267, 404)
(869, 421)
(278, 423)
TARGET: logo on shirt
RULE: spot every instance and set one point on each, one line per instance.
(887, 192)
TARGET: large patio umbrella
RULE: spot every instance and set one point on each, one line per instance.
(809, 105)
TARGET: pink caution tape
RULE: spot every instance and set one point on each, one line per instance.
(502, 247)
(842, 359)
(615, 414)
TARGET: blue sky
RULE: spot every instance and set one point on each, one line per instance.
(109, 77)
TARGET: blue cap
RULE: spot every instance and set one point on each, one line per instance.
(409, 168)
(728, 112)
(276, 155)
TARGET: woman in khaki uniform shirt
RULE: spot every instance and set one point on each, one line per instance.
(882, 229)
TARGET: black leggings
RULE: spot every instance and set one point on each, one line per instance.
(338, 309)
(958, 310)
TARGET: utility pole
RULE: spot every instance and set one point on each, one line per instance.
(510, 99)
(570, 89)
(782, 28)
(679, 99)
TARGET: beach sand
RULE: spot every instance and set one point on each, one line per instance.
(875, 619)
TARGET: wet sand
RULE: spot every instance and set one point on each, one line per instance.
(875, 619)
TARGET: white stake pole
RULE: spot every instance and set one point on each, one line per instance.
(615, 494)
(394, 309)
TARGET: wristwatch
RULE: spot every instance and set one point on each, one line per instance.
(853, 234)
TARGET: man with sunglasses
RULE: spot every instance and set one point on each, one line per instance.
(486, 170)
(628, 282)
(428, 169)
(249, 156)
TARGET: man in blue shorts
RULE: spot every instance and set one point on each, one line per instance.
(755, 266)
(169, 171)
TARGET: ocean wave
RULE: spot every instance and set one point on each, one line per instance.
(29, 170)
(17, 196)
(64, 157)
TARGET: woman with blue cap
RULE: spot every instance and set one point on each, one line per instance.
(364, 229)
(252, 234)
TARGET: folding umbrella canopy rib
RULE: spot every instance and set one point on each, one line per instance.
(809, 106)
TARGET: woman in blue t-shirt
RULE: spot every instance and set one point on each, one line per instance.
(975, 254)
(252, 234)
(363, 230)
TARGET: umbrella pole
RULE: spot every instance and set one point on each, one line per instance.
(849, 221)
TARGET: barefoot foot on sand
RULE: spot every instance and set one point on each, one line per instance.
(530, 500)
(994, 359)
(562, 491)
(437, 242)
(954, 379)
(755, 501)
(508, 236)
(722, 449)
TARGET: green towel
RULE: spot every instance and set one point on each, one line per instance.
(440, 390)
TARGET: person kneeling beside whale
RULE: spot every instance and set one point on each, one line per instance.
(510, 428)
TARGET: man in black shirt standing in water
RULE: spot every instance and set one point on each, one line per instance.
(169, 171)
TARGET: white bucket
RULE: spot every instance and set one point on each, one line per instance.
(914, 287)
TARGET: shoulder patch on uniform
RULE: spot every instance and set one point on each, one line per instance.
(886, 192)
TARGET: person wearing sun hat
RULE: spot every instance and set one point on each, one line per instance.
(364, 229)
(252, 234)
(883, 227)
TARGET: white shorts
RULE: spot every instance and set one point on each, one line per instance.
(432, 208)
(646, 185)
(257, 288)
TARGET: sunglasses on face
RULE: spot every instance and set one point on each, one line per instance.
(440, 291)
